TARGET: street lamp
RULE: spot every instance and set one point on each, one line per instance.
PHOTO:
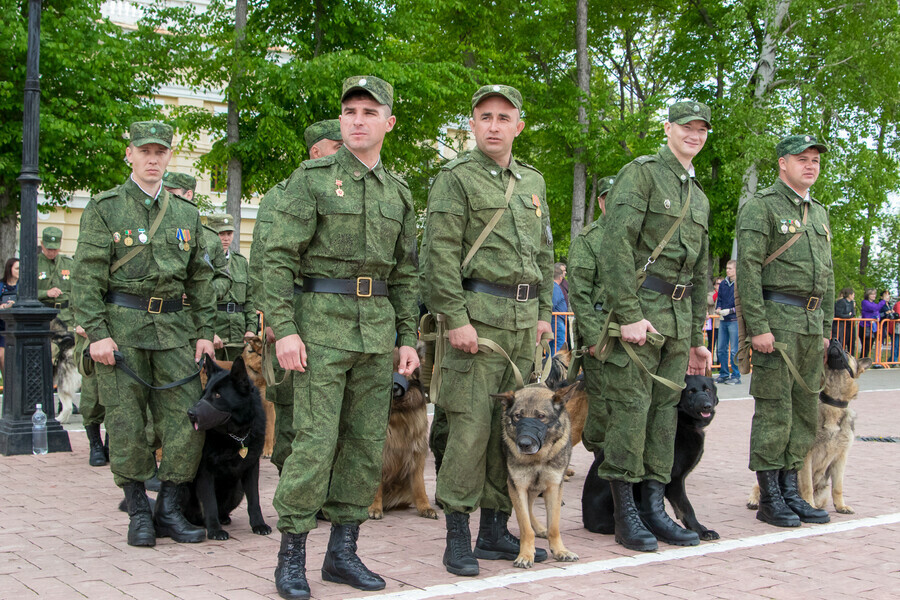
(28, 377)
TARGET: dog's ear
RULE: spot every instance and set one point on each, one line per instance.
(210, 366)
(862, 365)
(563, 395)
(239, 377)
(506, 398)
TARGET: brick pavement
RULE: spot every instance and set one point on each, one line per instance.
(61, 536)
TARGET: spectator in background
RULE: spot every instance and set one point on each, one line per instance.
(559, 306)
(728, 328)
(895, 333)
(870, 310)
(844, 308)
(8, 293)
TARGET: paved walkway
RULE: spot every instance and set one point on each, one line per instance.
(61, 535)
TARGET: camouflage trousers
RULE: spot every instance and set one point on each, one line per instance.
(784, 421)
(127, 403)
(473, 471)
(92, 412)
(341, 407)
(282, 397)
(595, 425)
(642, 415)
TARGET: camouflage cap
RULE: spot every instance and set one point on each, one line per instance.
(685, 112)
(151, 132)
(51, 238)
(604, 185)
(508, 92)
(323, 130)
(180, 181)
(795, 144)
(381, 90)
(220, 222)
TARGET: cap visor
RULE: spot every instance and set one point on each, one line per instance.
(684, 120)
(369, 91)
(145, 141)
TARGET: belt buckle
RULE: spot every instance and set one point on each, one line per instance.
(159, 306)
(813, 303)
(367, 280)
(522, 292)
(57, 305)
(678, 288)
(230, 307)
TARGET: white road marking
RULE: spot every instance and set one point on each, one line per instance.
(470, 586)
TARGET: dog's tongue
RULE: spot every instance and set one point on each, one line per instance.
(704, 415)
(196, 426)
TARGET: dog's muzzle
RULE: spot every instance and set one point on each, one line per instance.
(401, 385)
(837, 357)
(205, 416)
(530, 434)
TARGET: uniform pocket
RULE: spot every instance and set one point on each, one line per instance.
(457, 382)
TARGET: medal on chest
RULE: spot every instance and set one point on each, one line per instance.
(183, 236)
(142, 236)
(65, 274)
(129, 241)
(536, 202)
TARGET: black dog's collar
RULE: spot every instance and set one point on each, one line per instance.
(826, 399)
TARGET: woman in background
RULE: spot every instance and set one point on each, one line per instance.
(867, 328)
(8, 286)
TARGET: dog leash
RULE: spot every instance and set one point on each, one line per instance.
(120, 362)
(782, 348)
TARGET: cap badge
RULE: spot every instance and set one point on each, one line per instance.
(496, 88)
(363, 82)
(696, 108)
(806, 139)
(153, 130)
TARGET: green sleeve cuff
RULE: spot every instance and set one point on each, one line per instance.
(407, 340)
(100, 333)
(457, 321)
(205, 333)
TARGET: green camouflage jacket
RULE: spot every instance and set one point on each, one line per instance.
(647, 198)
(584, 284)
(56, 274)
(232, 326)
(336, 219)
(163, 270)
(764, 224)
(465, 195)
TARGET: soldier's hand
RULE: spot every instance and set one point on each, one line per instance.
(464, 338)
(700, 361)
(270, 336)
(80, 331)
(217, 342)
(249, 335)
(291, 353)
(102, 351)
(409, 361)
(542, 328)
(592, 349)
(203, 347)
(764, 342)
(636, 333)
(54, 292)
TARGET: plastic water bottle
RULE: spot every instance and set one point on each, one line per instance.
(39, 431)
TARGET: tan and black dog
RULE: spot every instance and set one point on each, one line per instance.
(827, 458)
(537, 443)
(253, 357)
(405, 449)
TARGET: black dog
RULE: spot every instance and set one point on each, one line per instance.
(231, 413)
(696, 410)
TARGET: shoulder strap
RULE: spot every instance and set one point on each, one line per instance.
(490, 226)
(663, 242)
(153, 227)
(790, 242)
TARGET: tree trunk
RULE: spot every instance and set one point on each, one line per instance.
(8, 229)
(583, 68)
(592, 202)
(235, 185)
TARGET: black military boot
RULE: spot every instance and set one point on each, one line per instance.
(656, 519)
(97, 457)
(169, 519)
(342, 565)
(787, 481)
(458, 557)
(772, 508)
(630, 531)
(140, 527)
(495, 542)
(596, 500)
(290, 574)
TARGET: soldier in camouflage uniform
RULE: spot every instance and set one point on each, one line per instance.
(135, 306)
(323, 138)
(236, 319)
(789, 301)
(662, 321)
(503, 294)
(346, 226)
(55, 276)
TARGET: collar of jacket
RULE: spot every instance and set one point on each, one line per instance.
(668, 158)
(355, 167)
(789, 193)
(134, 191)
(489, 165)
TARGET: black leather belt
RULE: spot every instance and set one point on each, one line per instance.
(150, 305)
(520, 292)
(676, 292)
(298, 289)
(361, 287)
(231, 307)
(807, 302)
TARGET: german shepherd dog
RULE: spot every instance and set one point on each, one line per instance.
(537, 444)
(253, 357)
(827, 458)
(65, 374)
(231, 414)
(696, 410)
(405, 450)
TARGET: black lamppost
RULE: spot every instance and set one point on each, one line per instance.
(28, 377)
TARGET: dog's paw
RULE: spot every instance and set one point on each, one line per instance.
(377, 514)
(266, 454)
(752, 505)
(844, 510)
(524, 562)
(428, 513)
(564, 555)
(262, 529)
(708, 535)
(217, 534)
(226, 520)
